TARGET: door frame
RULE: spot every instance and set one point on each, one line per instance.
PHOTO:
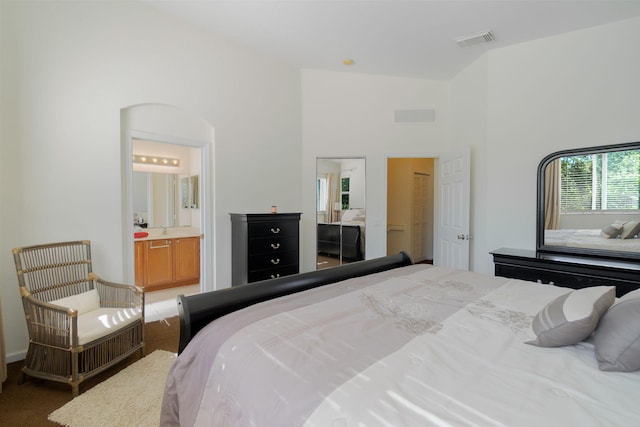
(385, 168)
(207, 278)
(436, 192)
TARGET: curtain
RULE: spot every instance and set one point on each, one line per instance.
(3, 364)
(333, 195)
(552, 195)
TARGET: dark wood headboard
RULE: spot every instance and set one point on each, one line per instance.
(197, 311)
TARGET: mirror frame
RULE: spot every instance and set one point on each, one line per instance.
(540, 208)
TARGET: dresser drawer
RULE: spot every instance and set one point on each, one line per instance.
(283, 258)
(272, 245)
(272, 273)
(273, 229)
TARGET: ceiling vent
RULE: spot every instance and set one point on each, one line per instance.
(476, 38)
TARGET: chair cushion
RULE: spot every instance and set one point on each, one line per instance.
(83, 303)
(103, 321)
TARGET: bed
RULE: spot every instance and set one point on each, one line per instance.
(386, 342)
(589, 238)
(344, 238)
(340, 239)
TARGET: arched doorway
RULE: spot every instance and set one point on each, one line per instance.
(166, 124)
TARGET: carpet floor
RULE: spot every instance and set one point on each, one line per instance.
(29, 404)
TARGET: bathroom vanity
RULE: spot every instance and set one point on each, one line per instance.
(167, 261)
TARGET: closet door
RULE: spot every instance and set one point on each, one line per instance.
(421, 218)
(3, 365)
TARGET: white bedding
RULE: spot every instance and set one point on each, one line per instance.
(416, 346)
(589, 238)
(477, 371)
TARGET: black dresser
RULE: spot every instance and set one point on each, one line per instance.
(567, 270)
(264, 246)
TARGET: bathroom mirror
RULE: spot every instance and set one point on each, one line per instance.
(588, 201)
(158, 199)
(340, 210)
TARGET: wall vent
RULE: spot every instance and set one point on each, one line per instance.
(476, 38)
(415, 116)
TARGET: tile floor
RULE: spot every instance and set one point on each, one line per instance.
(162, 304)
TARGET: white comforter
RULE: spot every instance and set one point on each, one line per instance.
(426, 347)
(477, 371)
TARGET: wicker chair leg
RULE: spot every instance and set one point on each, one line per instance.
(75, 389)
(22, 378)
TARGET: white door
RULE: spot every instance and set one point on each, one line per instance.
(452, 231)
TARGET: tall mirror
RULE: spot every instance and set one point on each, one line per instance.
(340, 210)
(588, 201)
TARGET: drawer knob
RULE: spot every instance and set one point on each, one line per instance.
(275, 230)
(275, 261)
(275, 245)
(275, 276)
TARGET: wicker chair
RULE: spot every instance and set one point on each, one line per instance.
(79, 325)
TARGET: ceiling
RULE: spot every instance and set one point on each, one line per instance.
(390, 37)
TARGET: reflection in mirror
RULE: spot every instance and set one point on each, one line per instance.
(588, 201)
(156, 201)
(190, 192)
(340, 209)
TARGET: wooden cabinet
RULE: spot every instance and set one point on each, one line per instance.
(264, 246)
(139, 253)
(567, 270)
(187, 259)
(166, 263)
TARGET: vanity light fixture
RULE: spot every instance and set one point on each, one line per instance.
(155, 160)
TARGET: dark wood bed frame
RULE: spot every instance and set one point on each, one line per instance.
(339, 239)
(197, 311)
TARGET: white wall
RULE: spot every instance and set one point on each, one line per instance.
(469, 93)
(574, 90)
(352, 115)
(67, 71)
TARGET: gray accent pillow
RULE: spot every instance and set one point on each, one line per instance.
(572, 317)
(617, 339)
(611, 231)
(630, 229)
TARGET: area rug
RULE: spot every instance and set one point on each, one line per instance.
(132, 397)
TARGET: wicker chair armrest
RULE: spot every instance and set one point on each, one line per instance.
(118, 295)
(50, 324)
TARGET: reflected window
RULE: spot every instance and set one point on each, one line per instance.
(345, 182)
(321, 193)
(602, 181)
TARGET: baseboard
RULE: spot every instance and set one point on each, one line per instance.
(16, 357)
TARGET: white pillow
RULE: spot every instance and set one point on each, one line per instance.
(572, 317)
(83, 303)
